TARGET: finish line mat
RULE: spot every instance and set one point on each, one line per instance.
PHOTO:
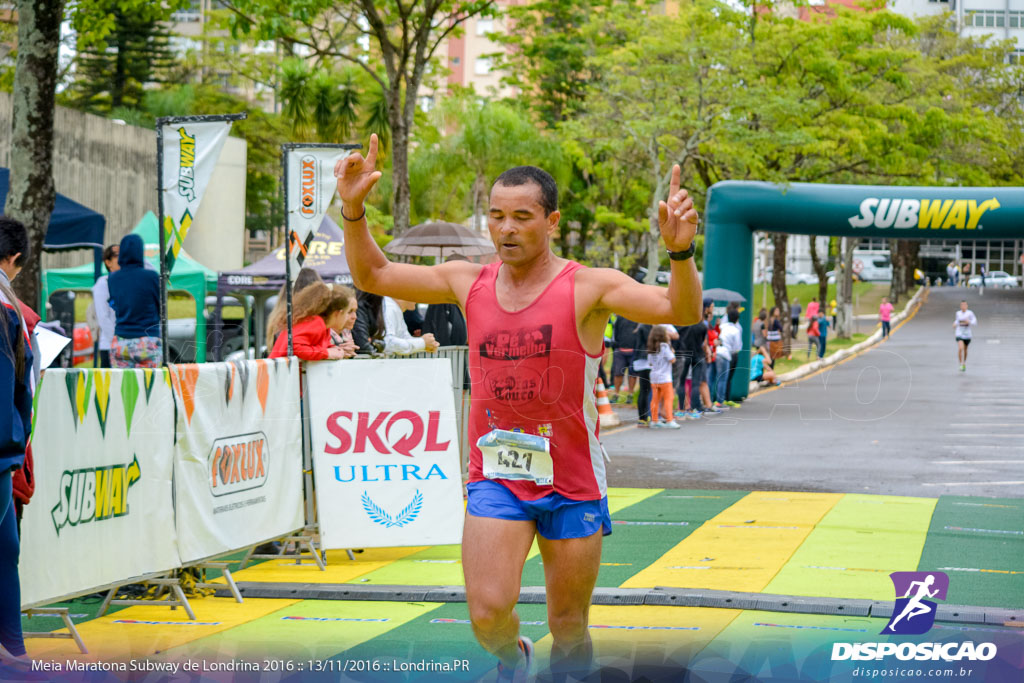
(811, 544)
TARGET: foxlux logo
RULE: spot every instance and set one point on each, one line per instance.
(913, 614)
(239, 463)
(308, 175)
(925, 213)
(94, 493)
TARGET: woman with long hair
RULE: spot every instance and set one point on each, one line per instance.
(15, 429)
(278, 319)
(315, 310)
(341, 335)
(773, 334)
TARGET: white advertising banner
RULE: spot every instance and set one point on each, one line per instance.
(385, 453)
(190, 151)
(238, 458)
(102, 510)
(311, 186)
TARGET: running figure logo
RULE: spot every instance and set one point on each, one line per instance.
(912, 614)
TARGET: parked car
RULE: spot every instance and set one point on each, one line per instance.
(792, 277)
(181, 334)
(831, 277)
(997, 278)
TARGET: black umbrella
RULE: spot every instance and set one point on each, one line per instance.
(719, 294)
(440, 239)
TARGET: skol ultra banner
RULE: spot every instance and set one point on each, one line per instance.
(385, 453)
(190, 152)
(311, 185)
(102, 510)
(238, 458)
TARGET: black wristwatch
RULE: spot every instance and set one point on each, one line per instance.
(684, 254)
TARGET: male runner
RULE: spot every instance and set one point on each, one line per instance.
(536, 327)
(962, 325)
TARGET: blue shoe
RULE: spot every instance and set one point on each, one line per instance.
(680, 414)
(693, 415)
(523, 670)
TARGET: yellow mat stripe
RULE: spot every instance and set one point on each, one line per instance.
(112, 637)
(340, 569)
(683, 631)
(743, 547)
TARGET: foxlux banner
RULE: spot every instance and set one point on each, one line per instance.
(190, 152)
(238, 458)
(385, 453)
(102, 510)
(311, 185)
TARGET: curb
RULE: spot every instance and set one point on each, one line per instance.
(843, 354)
(678, 597)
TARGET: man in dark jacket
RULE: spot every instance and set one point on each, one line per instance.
(135, 298)
(623, 345)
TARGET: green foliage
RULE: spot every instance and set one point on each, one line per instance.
(122, 46)
(451, 175)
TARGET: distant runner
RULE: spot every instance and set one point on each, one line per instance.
(962, 325)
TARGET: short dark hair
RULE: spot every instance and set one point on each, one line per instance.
(108, 253)
(13, 240)
(734, 315)
(521, 175)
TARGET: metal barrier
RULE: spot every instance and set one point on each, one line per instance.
(458, 356)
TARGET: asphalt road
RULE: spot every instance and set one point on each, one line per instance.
(899, 419)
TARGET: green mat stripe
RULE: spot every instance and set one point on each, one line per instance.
(979, 542)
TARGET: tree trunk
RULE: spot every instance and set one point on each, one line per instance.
(779, 242)
(912, 260)
(32, 194)
(898, 276)
(844, 298)
(820, 269)
(400, 174)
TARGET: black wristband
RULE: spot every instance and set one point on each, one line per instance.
(684, 254)
(357, 218)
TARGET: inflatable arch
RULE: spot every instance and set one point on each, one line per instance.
(735, 209)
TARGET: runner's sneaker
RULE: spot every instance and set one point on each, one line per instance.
(671, 424)
(963, 368)
(680, 414)
(693, 415)
(643, 424)
(713, 410)
(657, 425)
(731, 404)
(523, 670)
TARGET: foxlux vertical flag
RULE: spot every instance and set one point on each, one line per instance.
(190, 152)
(311, 186)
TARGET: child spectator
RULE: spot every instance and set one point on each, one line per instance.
(760, 370)
(813, 334)
(661, 357)
(314, 310)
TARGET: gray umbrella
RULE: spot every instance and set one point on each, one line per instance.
(719, 294)
(440, 239)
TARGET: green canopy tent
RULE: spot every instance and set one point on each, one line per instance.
(188, 275)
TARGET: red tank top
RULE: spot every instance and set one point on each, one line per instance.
(530, 373)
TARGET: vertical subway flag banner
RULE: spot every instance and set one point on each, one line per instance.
(310, 188)
(238, 458)
(190, 150)
(102, 510)
(385, 453)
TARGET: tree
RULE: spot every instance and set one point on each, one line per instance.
(820, 266)
(121, 47)
(405, 34)
(32, 194)
(451, 173)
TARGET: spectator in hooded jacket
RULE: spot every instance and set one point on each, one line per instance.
(135, 298)
(15, 429)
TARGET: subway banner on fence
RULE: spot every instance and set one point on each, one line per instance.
(238, 458)
(190, 152)
(385, 453)
(311, 186)
(102, 510)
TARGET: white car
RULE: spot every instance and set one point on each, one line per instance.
(997, 278)
(792, 277)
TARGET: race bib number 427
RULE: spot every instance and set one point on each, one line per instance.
(515, 455)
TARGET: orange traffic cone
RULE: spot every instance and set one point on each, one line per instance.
(604, 407)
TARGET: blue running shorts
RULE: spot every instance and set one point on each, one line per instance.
(557, 517)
